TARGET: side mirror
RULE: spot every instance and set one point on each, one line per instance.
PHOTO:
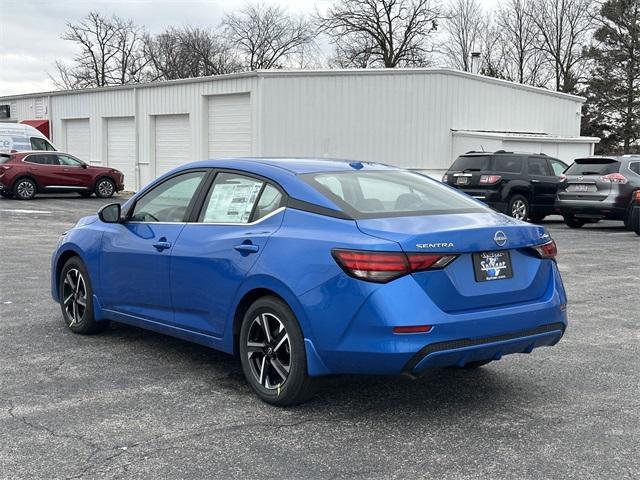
(110, 213)
(84, 165)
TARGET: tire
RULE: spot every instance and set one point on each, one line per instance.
(627, 218)
(635, 219)
(24, 189)
(274, 363)
(518, 207)
(536, 218)
(573, 222)
(75, 289)
(105, 188)
(85, 194)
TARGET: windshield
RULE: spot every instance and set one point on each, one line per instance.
(474, 163)
(593, 166)
(390, 193)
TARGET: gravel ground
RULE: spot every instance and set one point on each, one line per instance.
(134, 404)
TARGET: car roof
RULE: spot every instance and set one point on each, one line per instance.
(295, 165)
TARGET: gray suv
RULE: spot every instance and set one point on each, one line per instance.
(600, 187)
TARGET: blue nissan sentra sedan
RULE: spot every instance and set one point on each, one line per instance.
(310, 267)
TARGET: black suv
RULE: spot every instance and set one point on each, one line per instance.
(522, 185)
(595, 188)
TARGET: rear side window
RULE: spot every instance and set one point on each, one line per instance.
(231, 199)
(593, 166)
(471, 163)
(538, 166)
(507, 163)
(633, 166)
(557, 166)
(270, 200)
(391, 194)
(42, 159)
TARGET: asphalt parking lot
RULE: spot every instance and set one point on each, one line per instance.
(134, 404)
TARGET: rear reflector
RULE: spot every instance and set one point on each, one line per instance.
(383, 267)
(547, 250)
(413, 329)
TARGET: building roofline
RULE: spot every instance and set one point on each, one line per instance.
(540, 137)
(309, 73)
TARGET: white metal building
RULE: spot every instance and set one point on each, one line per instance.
(418, 118)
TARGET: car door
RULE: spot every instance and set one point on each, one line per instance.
(43, 168)
(136, 255)
(214, 254)
(543, 184)
(73, 172)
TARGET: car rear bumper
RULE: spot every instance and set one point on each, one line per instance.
(368, 345)
(611, 208)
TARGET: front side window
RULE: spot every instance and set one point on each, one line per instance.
(69, 161)
(538, 166)
(231, 199)
(391, 193)
(558, 167)
(169, 201)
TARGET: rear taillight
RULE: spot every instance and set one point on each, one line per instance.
(562, 178)
(614, 178)
(383, 267)
(490, 179)
(445, 178)
(547, 250)
(636, 197)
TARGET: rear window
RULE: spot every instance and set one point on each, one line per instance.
(507, 163)
(390, 194)
(472, 163)
(593, 166)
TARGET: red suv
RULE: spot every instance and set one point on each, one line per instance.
(24, 174)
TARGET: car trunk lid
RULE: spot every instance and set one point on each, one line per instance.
(458, 287)
(586, 179)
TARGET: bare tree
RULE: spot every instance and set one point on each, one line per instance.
(565, 28)
(465, 21)
(524, 61)
(266, 36)
(187, 52)
(387, 33)
(109, 53)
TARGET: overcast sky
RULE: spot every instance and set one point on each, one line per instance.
(30, 30)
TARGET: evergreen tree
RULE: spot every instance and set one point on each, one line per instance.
(613, 104)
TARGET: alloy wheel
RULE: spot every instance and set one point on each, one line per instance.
(269, 351)
(519, 210)
(74, 294)
(105, 188)
(25, 189)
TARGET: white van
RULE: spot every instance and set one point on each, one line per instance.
(19, 137)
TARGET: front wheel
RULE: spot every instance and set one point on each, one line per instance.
(573, 222)
(272, 354)
(105, 188)
(518, 208)
(76, 298)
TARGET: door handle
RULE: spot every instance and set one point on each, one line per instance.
(162, 244)
(247, 248)
(533, 180)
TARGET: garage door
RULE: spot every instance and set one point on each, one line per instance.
(78, 136)
(229, 126)
(173, 142)
(121, 148)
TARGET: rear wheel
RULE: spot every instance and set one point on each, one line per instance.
(24, 189)
(272, 354)
(573, 222)
(105, 188)
(518, 207)
(76, 298)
